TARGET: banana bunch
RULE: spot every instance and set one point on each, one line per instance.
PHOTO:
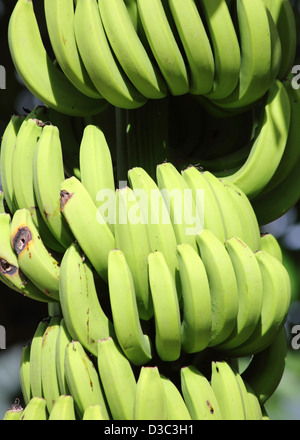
(226, 54)
(60, 381)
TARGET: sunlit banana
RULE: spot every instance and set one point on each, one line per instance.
(224, 40)
(94, 412)
(99, 60)
(34, 259)
(248, 400)
(48, 173)
(198, 395)
(150, 401)
(176, 407)
(83, 380)
(117, 379)
(36, 69)
(60, 26)
(24, 373)
(83, 314)
(166, 308)
(227, 391)
(132, 239)
(63, 409)
(123, 302)
(197, 314)
(86, 223)
(63, 339)
(35, 409)
(163, 45)
(250, 291)
(257, 413)
(270, 244)
(36, 359)
(6, 156)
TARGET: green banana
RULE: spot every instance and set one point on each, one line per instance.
(117, 378)
(36, 359)
(166, 308)
(24, 373)
(36, 69)
(63, 409)
(35, 409)
(13, 413)
(78, 293)
(63, 338)
(150, 400)
(270, 244)
(176, 407)
(123, 303)
(94, 412)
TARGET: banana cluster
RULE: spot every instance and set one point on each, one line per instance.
(227, 53)
(61, 381)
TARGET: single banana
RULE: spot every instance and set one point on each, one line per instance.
(63, 339)
(48, 173)
(197, 314)
(250, 292)
(247, 401)
(166, 308)
(222, 284)
(266, 368)
(257, 413)
(99, 60)
(117, 378)
(63, 409)
(150, 400)
(83, 380)
(86, 223)
(198, 395)
(94, 412)
(50, 388)
(227, 391)
(13, 413)
(59, 17)
(132, 239)
(35, 409)
(268, 145)
(275, 306)
(125, 316)
(213, 219)
(24, 373)
(256, 55)
(36, 358)
(176, 407)
(83, 315)
(129, 50)
(196, 44)
(284, 19)
(163, 45)
(36, 69)
(33, 257)
(186, 219)
(10, 273)
(6, 157)
(270, 244)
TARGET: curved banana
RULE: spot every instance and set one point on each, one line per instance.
(150, 400)
(270, 244)
(132, 238)
(266, 368)
(224, 41)
(197, 314)
(198, 395)
(50, 388)
(36, 69)
(63, 409)
(256, 55)
(123, 302)
(35, 409)
(99, 60)
(83, 380)
(86, 223)
(63, 338)
(6, 157)
(268, 145)
(176, 407)
(250, 292)
(209, 208)
(196, 44)
(76, 278)
(48, 173)
(166, 308)
(222, 284)
(117, 378)
(33, 257)
(36, 359)
(60, 26)
(24, 373)
(227, 391)
(163, 45)
(129, 50)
